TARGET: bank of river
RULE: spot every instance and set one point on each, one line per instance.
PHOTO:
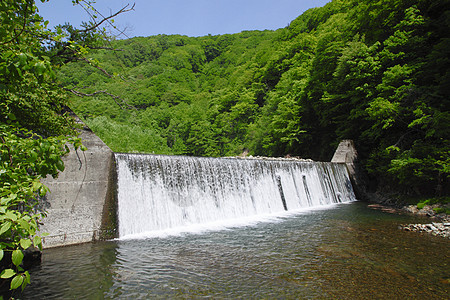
(438, 224)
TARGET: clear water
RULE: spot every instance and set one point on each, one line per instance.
(344, 252)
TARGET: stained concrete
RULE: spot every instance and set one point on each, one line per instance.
(346, 153)
(80, 204)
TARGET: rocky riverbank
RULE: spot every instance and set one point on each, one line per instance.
(439, 225)
(429, 211)
(437, 229)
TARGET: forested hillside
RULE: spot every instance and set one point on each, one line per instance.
(375, 71)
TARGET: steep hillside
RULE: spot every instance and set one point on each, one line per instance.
(375, 71)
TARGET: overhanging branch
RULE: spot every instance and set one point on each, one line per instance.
(96, 25)
(17, 34)
(119, 101)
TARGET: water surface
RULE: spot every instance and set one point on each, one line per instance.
(345, 252)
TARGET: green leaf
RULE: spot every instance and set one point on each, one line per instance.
(17, 257)
(27, 277)
(60, 165)
(37, 241)
(1, 254)
(33, 156)
(25, 243)
(11, 116)
(24, 224)
(5, 227)
(11, 215)
(16, 282)
(36, 185)
(26, 280)
(8, 273)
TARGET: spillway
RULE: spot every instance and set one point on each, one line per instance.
(158, 192)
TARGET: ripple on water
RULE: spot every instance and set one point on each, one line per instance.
(345, 252)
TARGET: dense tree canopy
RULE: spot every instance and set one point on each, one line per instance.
(375, 71)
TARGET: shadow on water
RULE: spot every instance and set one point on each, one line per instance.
(75, 272)
(345, 252)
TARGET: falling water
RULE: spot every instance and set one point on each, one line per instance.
(158, 192)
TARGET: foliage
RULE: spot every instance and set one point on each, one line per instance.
(375, 71)
(372, 71)
(34, 126)
(25, 158)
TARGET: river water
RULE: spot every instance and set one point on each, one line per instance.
(346, 251)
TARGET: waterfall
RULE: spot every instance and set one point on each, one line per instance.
(158, 192)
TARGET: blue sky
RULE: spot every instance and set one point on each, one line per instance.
(186, 17)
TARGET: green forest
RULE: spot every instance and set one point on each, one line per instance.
(376, 72)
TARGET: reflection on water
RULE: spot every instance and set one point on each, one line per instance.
(346, 252)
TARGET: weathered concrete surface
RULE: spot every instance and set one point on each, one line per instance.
(346, 153)
(80, 204)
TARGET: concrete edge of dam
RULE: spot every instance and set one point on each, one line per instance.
(81, 205)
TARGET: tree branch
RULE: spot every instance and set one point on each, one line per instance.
(114, 97)
(122, 10)
(397, 144)
(95, 66)
(103, 48)
(77, 57)
(23, 26)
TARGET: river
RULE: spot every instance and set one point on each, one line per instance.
(343, 251)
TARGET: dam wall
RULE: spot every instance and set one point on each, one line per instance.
(80, 205)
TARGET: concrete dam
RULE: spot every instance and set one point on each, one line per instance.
(102, 195)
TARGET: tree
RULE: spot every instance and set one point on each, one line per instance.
(35, 126)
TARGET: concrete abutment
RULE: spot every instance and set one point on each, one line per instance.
(81, 204)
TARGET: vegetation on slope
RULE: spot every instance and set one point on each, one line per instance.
(375, 71)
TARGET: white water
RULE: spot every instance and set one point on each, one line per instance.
(168, 193)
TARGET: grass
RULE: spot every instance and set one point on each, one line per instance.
(439, 200)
